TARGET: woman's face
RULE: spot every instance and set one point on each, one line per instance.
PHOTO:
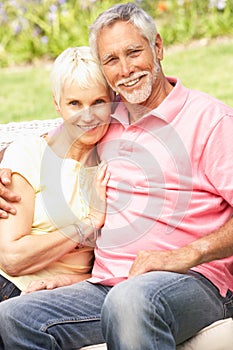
(86, 112)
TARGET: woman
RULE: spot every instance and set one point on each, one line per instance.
(61, 183)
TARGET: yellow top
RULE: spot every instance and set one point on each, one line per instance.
(62, 192)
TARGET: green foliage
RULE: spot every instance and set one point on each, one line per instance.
(183, 20)
(31, 29)
(26, 94)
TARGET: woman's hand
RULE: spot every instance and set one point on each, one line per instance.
(87, 230)
(98, 197)
(6, 195)
(54, 282)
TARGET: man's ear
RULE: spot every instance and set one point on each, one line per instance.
(56, 106)
(159, 47)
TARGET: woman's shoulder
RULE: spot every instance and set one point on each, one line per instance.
(29, 144)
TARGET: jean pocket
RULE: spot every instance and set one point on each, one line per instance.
(7, 289)
(228, 304)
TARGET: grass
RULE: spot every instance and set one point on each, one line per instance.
(208, 68)
(25, 92)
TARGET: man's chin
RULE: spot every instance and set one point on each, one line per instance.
(134, 98)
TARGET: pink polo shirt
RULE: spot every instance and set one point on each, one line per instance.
(171, 183)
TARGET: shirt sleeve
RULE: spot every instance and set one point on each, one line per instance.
(218, 158)
(23, 156)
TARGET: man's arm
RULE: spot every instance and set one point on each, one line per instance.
(2, 154)
(6, 196)
(217, 245)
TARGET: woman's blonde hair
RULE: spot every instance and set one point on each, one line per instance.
(75, 64)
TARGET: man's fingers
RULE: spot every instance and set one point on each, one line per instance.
(8, 195)
(3, 214)
(6, 208)
(5, 176)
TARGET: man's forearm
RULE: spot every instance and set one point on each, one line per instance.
(2, 154)
(217, 245)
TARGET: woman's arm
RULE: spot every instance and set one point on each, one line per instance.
(55, 282)
(22, 252)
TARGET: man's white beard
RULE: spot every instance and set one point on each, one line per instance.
(139, 95)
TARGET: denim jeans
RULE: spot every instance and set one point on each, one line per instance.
(7, 289)
(152, 311)
(160, 310)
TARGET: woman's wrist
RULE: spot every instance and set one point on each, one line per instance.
(83, 232)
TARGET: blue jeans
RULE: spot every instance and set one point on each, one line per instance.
(7, 289)
(156, 310)
(160, 310)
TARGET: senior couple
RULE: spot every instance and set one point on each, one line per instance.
(163, 265)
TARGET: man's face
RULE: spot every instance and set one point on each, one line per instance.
(128, 61)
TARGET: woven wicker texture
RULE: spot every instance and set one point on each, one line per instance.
(9, 131)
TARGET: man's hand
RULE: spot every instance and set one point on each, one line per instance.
(6, 195)
(179, 260)
(214, 246)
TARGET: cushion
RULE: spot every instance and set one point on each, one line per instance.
(217, 336)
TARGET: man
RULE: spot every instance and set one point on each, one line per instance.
(163, 267)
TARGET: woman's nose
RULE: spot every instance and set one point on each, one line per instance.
(87, 115)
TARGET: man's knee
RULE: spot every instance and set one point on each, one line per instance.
(124, 302)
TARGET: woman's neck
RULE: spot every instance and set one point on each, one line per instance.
(62, 146)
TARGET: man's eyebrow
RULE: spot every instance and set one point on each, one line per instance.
(106, 56)
(134, 46)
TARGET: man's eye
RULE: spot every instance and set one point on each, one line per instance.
(135, 52)
(110, 61)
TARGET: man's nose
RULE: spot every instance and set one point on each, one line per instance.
(126, 67)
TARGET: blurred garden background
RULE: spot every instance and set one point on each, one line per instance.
(197, 34)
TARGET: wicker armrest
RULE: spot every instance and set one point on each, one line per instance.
(9, 131)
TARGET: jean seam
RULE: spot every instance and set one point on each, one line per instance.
(46, 326)
(160, 295)
(228, 303)
(161, 292)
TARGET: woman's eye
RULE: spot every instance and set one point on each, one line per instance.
(99, 101)
(74, 103)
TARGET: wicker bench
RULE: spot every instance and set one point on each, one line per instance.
(218, 336)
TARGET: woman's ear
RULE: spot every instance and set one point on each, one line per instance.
(159, 47)
(56, 106)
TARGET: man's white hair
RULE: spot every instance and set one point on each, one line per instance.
(129, 12)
